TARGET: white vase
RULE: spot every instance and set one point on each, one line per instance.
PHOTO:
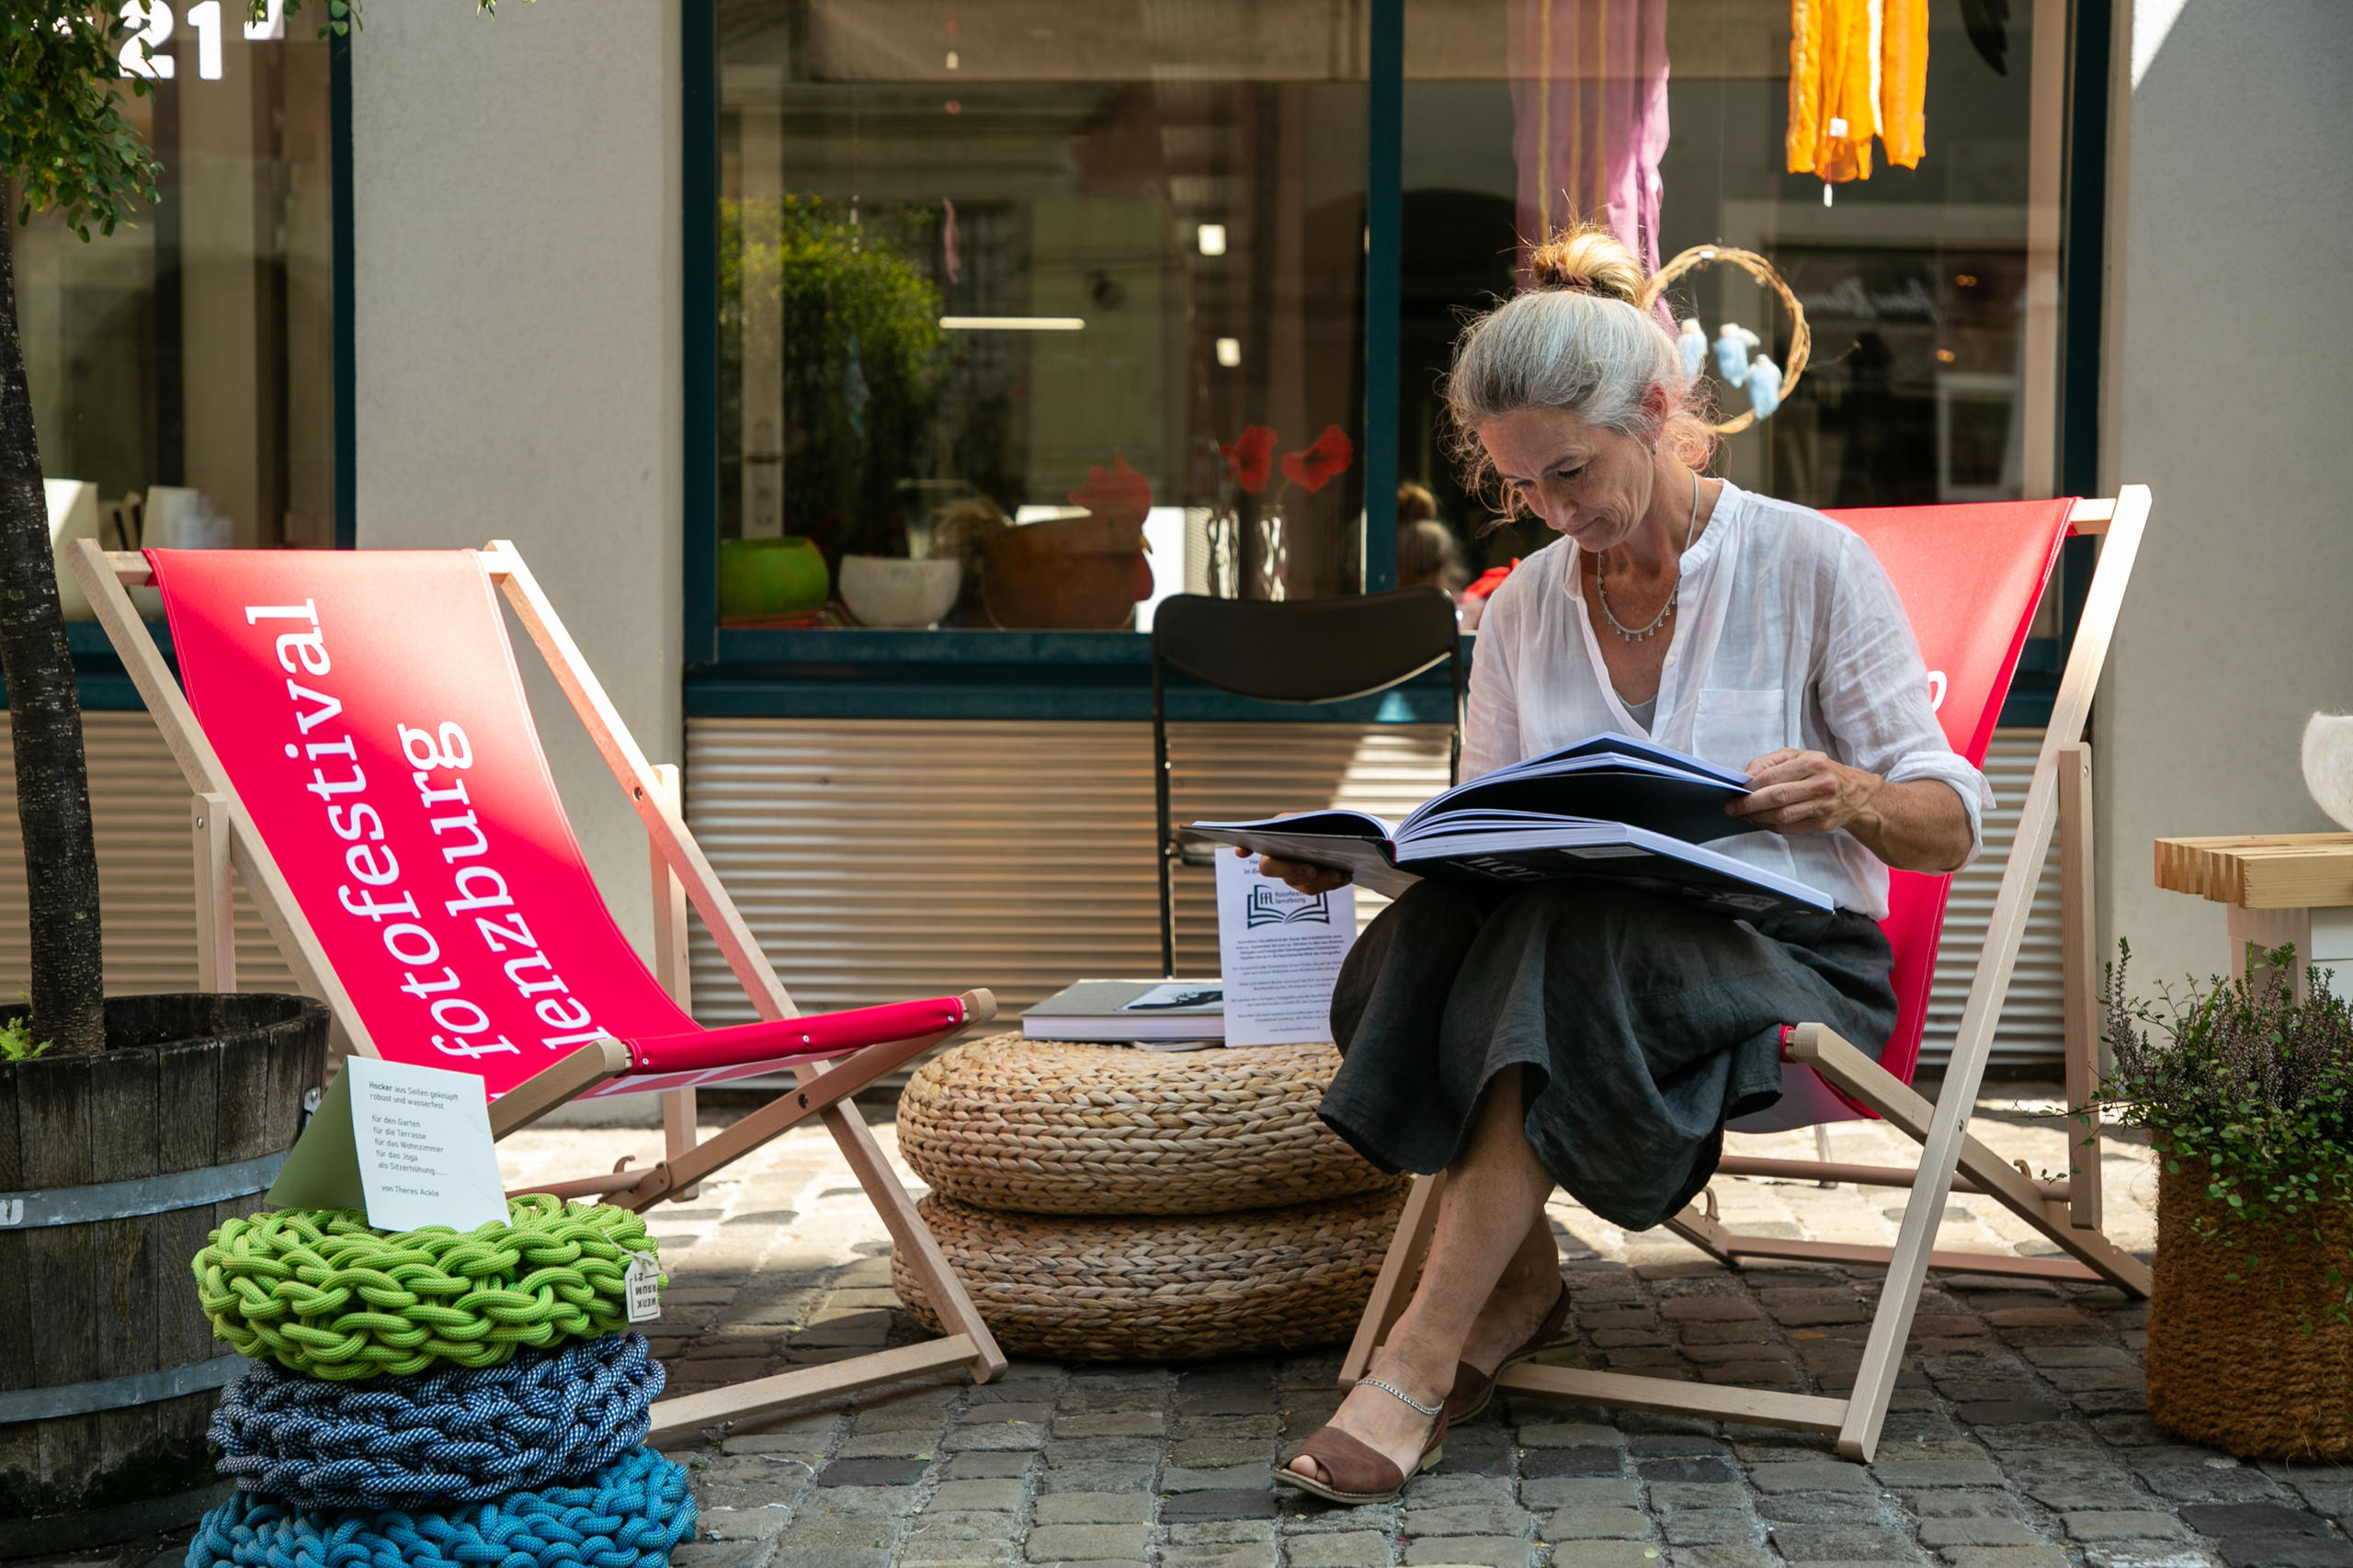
(2328, 765)
(884, 590)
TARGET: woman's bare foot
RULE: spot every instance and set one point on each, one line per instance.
(1384, 1423)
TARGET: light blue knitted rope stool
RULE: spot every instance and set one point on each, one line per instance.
(628, 1516)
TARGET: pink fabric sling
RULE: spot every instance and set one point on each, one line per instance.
(1969, 578)
(367, 708)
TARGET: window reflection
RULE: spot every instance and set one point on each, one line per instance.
(999, 285)
(182, 368)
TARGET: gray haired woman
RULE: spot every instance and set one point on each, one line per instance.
(1585, 1033)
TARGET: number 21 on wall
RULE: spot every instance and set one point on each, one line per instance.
(151, 25)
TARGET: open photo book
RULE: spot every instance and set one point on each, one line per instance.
(1609, 806)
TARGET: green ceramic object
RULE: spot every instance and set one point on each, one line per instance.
(764, 578)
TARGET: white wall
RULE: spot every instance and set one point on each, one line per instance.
(2227, 397)
(516, 183)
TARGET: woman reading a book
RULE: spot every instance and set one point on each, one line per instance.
(1590, 1034)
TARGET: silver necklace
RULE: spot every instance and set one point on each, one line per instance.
(1644, 634)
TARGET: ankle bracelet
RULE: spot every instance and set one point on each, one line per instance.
(1392, 1389)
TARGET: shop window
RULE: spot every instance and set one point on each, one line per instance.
(182, 368)
(1003, 292)
(1033, 312)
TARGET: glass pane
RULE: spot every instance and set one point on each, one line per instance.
(1673, 123)
(998, 284)
(183, 368)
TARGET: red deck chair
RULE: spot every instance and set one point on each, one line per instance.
(1970, 577)
(354, 728)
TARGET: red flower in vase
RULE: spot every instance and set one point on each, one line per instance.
(1317, 466)
(1252, 458)
(1117, 493)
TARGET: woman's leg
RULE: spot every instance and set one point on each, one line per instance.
(1492, 1274)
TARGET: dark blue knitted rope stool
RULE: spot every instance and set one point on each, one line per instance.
(436, 1440)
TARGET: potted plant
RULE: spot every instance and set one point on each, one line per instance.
(2247, 1089)
(858, 351)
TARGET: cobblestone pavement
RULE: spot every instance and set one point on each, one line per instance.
(2017, 1437)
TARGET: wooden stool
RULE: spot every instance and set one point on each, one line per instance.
(2277, 888)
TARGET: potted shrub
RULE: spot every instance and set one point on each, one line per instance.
(2246, 1090)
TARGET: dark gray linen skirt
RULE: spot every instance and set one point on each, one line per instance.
(1642, 1024)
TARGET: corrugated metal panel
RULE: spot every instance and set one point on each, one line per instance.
(2033, 1028)
(882, 860)
(146, 877)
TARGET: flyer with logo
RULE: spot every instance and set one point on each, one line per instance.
(1280, 953)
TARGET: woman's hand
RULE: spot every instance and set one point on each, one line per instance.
(1298, 876)
(1919, 826)
(1804, 792)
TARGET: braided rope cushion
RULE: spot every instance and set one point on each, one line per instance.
(459, 1434)
(1144, 1289)
(1047, 1128)
(318, 1291)
(628, 1516)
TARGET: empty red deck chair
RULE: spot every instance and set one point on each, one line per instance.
(1970, 577)
(354, 727)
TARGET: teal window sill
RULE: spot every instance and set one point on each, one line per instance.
(964, 674)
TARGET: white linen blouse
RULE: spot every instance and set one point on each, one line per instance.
(1788, 634)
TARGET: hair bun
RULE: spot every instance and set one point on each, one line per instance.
(1588, 260)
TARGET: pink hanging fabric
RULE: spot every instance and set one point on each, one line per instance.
(1588, 93)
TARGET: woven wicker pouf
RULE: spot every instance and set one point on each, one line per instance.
(1041, 1127)
(1144, 1289)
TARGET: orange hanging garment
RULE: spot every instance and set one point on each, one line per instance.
(1904, 82)
(1857, 69)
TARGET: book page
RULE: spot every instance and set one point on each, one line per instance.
(1280, 953)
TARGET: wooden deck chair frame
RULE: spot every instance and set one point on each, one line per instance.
(225, 838)
(2068, 1213)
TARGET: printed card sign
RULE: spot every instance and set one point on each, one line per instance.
(1280, 953)
(409, 1144)
(423, 1137)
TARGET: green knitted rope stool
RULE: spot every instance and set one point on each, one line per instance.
(318, 1291)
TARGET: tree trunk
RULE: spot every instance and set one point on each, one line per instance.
(68, 990)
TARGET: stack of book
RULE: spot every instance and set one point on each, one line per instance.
(1154, 1015)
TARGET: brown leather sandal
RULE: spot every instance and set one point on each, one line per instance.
(1360, 1473)
(1474, 1389)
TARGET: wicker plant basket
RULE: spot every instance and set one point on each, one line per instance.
(2248, 1351)
(1147, 1290)
(1042, 1128)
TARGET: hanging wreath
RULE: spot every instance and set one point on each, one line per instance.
(1756, 267)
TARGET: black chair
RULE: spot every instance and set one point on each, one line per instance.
(1291, 651)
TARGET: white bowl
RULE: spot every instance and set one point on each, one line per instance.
(884, 590)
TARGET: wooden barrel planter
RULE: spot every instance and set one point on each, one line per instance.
(2250, 1346)
(113, 1168)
